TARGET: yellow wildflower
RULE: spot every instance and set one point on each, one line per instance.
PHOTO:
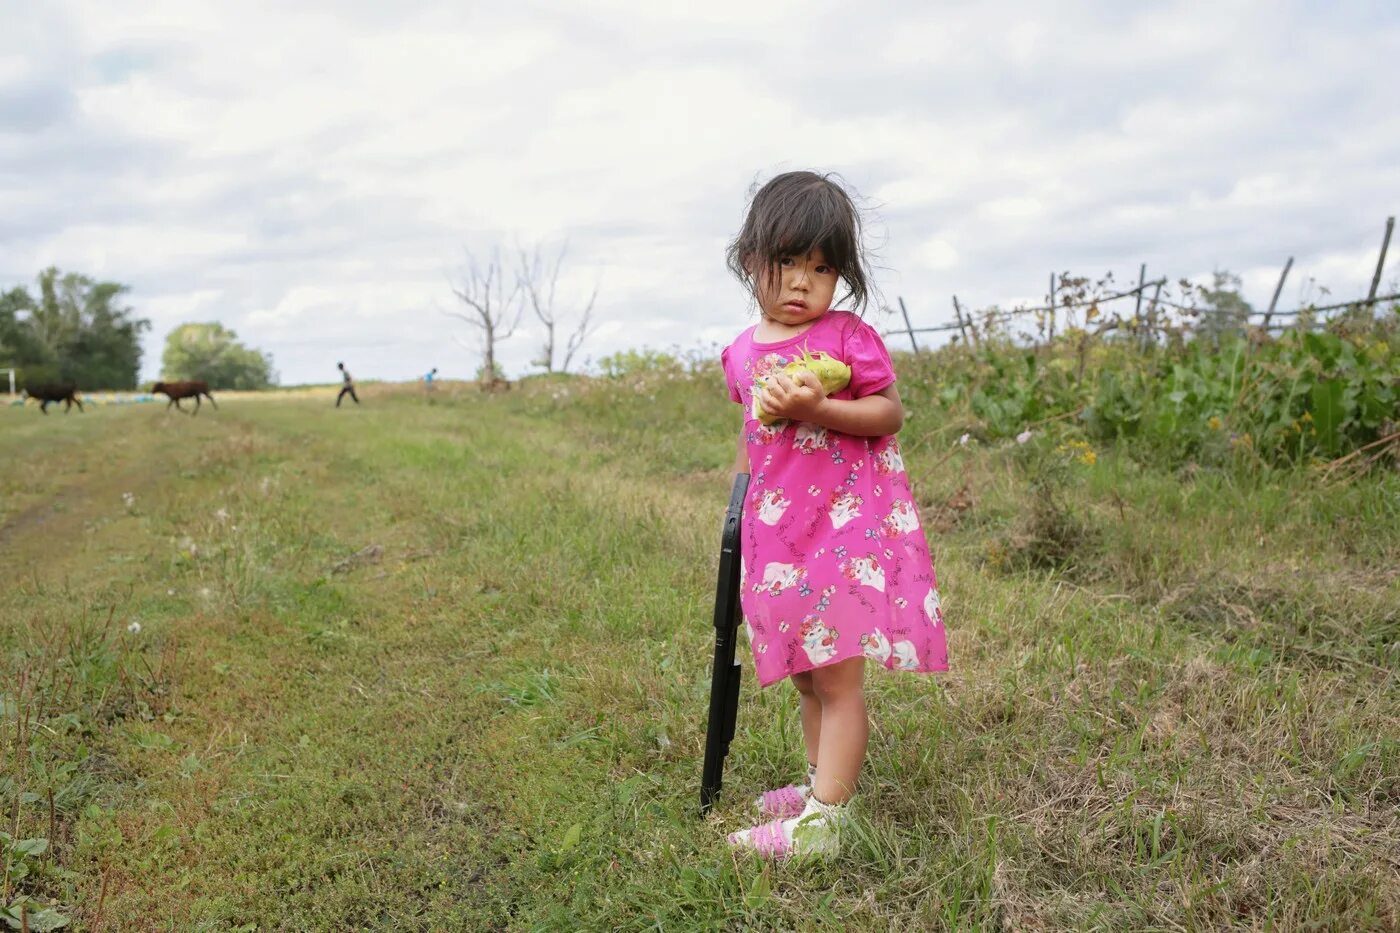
(1215, 424)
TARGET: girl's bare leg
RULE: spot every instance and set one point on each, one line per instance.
(811, 709)
(844, 730)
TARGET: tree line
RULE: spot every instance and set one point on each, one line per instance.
(75, 328)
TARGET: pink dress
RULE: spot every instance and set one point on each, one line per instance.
(834, 561)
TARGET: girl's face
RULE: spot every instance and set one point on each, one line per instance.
(799, 290)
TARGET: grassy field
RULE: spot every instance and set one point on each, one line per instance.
(443, 665)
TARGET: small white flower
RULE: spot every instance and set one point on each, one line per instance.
(134, 628)
(128, 499)
(962, 441)
(205, 592)
(221, 515)
(170, 592)
(1023, 436)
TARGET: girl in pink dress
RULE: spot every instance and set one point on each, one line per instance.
(835, 569)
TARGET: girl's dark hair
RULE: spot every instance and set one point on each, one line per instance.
(793, 214)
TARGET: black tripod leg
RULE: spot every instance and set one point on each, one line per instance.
(725, 672)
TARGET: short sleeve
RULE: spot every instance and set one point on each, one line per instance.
(871, 368)
(733, 383)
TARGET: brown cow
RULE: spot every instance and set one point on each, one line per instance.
(179, 390)
(66, 392)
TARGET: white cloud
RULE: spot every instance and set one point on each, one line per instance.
(311, 174)
(938, 255)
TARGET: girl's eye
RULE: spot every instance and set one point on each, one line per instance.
(823, 269)
(786, 261)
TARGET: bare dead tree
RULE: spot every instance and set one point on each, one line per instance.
(490, 308)
(539, 279)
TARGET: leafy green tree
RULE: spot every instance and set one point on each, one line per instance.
(19, 347)
(76, 329)
(1224, 312)
(212, 353)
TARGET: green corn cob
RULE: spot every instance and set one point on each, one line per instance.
(834, 375)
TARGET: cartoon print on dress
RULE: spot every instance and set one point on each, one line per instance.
(765, 365)
(890, 460)
(844, 507)
(767, 433)
(809, 438)
(761, 369)
(865, 571)
(817, 640)
(905, 657)
(901, 520)
(933, 606)
(772, 505)
(778, 577)
(875, 645)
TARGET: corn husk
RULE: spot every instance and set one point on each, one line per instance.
(834, 375)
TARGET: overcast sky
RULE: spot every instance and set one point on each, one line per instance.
(310, 174)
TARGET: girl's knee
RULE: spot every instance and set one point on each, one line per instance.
(839, 681)
(803, 683)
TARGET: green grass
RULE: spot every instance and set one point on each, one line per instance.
(443, 666)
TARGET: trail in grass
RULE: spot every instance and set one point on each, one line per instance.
(375, 733)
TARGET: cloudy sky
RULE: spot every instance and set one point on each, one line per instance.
(313, 174)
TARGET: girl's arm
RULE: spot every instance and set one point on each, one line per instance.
(804, 399)
(741, 461)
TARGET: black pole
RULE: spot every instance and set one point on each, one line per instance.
(724, 676)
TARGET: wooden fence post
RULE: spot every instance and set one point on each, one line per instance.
(1137, 310)
(1380, 263)
(907, 326)
(1052, 307)
(962, 328)
(1149, 333)
(1278, 290)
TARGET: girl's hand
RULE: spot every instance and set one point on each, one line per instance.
(797, 400)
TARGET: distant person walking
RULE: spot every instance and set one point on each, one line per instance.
(348, 388)
(428, 378)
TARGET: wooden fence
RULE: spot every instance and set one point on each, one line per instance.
(1142, 323)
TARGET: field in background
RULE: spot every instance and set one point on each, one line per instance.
(442, 664)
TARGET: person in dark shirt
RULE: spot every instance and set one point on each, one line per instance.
(348, 388)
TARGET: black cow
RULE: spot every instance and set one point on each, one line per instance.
(66, 392)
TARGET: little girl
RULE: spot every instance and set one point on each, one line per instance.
(835, 569)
